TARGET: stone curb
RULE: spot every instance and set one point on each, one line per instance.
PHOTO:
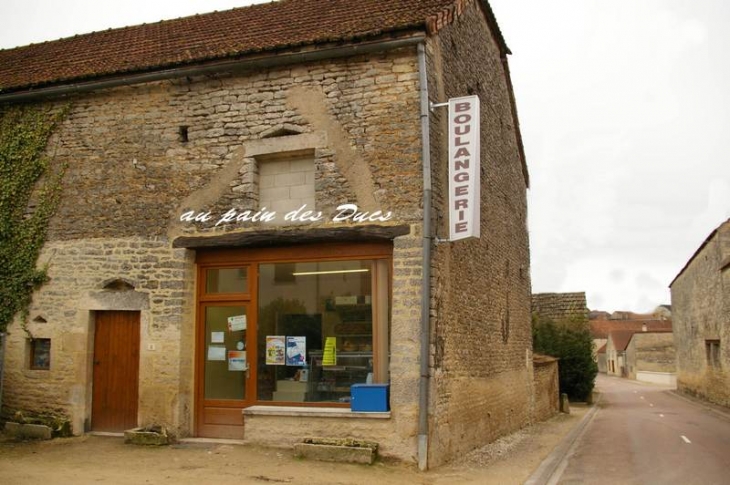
(551, 465)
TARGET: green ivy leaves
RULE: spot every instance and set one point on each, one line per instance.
(29, 195)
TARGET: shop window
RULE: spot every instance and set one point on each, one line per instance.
(323, 332)
(712, 349)
(40, 354)
(226, 280)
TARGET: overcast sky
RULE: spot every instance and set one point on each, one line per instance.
(625, 114)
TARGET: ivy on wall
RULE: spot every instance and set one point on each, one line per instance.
(25, 177)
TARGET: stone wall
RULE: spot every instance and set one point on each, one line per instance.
(653, 352)
(131, 172)
(701, 312)
(547, 394)
(139, 156)
(482, 379)
(79, 270)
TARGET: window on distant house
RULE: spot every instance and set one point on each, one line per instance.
(40, 354)
(712, 349)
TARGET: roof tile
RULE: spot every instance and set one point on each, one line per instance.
(216, 35)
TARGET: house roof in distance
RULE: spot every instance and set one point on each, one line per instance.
(230, 34)
(621, 338)
(602, 328)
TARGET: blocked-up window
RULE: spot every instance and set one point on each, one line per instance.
(286, 183)
(712, 349)
(40, 354)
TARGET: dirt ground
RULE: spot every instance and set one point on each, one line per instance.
(107, 460)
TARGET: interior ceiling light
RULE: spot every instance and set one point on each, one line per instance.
(335, 271)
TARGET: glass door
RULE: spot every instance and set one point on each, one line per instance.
(226, 326)
(225, 364)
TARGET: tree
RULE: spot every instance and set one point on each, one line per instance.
(570, 341)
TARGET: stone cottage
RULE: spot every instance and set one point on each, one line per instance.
(651, 357)
(601, 328)
(701, 315)
(254, 219)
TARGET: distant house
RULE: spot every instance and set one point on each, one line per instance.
(600, 329)
(663, 312)
(616, 345)
(601, 358)
(701, 314)
(651, 357)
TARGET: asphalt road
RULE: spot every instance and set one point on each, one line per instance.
(643, 434)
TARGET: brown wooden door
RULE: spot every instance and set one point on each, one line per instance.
(116, 371)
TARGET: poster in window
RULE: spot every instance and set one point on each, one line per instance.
(275, 350)
(296, 351)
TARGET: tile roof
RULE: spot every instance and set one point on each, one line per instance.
(621, 338)
(222, 35)
(558, 306)
(602, 328)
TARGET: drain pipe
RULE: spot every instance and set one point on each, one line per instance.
(426, 268)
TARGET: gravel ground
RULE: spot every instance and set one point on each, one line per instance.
(96, 459)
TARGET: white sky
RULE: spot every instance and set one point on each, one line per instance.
(625, 115)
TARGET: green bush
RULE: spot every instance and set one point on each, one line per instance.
(571, 342)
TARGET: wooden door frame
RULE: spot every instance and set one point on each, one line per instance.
(204, 301)
(252, 258)
(93, 357)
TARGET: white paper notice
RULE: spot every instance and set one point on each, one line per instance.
(216, 352)
(236, 361)
(237, 323)
(217, 337)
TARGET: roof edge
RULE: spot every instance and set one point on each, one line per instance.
(697, 252)
(247, 61)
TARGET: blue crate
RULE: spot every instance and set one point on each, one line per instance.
(369, 398)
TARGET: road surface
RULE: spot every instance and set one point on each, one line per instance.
(643, 434)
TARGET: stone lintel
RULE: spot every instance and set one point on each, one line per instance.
(280, 237)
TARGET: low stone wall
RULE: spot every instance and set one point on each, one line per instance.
(546, 389)
(664, 378)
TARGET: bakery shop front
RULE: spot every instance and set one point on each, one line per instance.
(293, 326)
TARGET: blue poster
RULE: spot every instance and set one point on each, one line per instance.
(296, 351)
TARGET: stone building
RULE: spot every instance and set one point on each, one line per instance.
(177, 298)
(701, 315)
(650, 357)
(601, 328)
(616, 345)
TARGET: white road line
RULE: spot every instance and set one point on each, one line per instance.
(686, 440)
(650, 404)
(661, 415)
(641, 397)
(636, 392)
